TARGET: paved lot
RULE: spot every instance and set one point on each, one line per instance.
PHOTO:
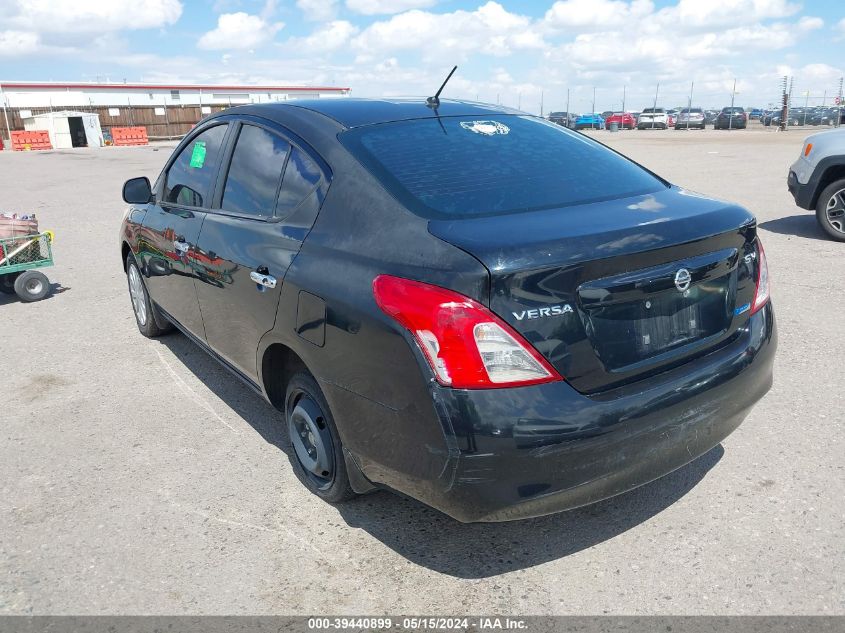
(138, 477)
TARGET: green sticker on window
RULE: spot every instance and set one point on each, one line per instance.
(198, 155)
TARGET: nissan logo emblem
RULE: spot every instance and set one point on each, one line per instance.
(682, 279)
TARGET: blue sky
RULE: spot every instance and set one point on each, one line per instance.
(518, 53)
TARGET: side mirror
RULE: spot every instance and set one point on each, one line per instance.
(137, 190)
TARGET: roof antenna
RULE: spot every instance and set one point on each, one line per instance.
(434, 102)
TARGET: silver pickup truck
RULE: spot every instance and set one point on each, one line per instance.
(817, 180)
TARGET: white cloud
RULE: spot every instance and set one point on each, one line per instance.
(490, 29)
(14, 43)
(840, 26)
(87, 16)
(318, 10)
(326, 39)
(810, 23)
(577, 14)
(694, 13)
(239, 31)
(381, 7)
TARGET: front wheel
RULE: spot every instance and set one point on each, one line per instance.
(32, 285)
(317, 457)
(830, 210)
(142, 307)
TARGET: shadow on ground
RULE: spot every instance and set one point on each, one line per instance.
(428, 538)
(803, 225)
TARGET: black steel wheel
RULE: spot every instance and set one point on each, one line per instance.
(830, 210)
(32, 285)
(317, 454)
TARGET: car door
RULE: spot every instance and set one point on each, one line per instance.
(168, 247)
(269, 196)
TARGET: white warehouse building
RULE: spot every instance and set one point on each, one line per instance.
(37, 95)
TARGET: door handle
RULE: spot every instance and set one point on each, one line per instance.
(265, 280)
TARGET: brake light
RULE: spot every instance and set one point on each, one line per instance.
(466, 345)
(761, 294)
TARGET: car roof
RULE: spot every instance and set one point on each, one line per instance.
(354, 112)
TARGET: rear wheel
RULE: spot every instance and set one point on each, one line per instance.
(32, 285)
(317, 450)
(830, 210)
(7, 283)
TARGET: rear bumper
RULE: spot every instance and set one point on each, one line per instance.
(537, 450)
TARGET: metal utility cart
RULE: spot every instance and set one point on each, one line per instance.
(19, 259)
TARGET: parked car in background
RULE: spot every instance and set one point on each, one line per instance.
(592, 121)
(817, 180)
(606, 114)
(653, 118)
(731, 118)
(437, 328)
(625, 120)
(566, 119)
(670, 119)
(710, 116)
(756, 114)
(774, 118)
(690, 118)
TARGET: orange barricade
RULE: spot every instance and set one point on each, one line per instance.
(24, 140)
(129, 136)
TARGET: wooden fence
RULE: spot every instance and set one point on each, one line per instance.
(172, 121)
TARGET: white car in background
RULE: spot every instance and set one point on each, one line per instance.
(653, 118)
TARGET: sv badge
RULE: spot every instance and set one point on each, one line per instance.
(538, 313)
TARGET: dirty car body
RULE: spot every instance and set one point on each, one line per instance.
(496, 342)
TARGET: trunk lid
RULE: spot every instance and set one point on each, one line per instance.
(614, 291)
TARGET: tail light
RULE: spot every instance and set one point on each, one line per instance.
(467, 346)
(761, 294)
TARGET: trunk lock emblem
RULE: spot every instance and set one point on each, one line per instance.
(682, 279)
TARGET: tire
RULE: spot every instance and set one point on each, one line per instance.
(7, 283)
(143, 309)
(832, 201)
(317, 452)
(32, 285)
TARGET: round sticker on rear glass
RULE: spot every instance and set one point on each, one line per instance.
(486, 128)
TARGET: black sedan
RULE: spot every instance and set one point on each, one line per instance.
(731, 118)
(466, 304)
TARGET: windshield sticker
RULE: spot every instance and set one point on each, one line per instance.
(198, 155)
(486, 128)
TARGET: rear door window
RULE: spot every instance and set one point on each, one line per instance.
(190, 179)
(301, 178)
(453, 167)
(255, 172)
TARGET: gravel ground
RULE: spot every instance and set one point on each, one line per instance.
(138, 477)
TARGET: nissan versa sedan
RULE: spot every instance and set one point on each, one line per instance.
(466, 304)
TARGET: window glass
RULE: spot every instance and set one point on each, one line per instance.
(255, 172)
(453, 167)
(191, 176)
(301, 177)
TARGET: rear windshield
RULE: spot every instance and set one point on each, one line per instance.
(730, 110)
(654, 110)
(453, 167)
(691, 111)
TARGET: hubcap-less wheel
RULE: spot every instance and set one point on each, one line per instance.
(312, 441)
(835, 211)
(34, 286)
(136, 293)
